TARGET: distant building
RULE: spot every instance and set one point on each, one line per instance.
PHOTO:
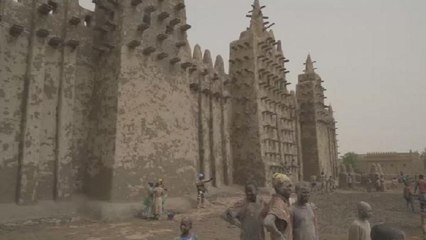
(393, 163)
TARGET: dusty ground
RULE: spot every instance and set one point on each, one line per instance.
(335, 215)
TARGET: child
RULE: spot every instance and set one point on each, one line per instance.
(360, 228)
(305, 225)
(247, 214)
(185, 229)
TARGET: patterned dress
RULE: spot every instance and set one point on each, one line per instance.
(281, 210)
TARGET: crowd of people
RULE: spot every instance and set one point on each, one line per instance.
(326, 184)
(285, 221)
(283, 218)
(376, 182)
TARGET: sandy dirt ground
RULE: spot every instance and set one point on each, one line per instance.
(336, 212)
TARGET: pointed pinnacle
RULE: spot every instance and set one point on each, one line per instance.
(256, 4)
(257, 10)
(207, 59)
(219, 64)
(309, 65)
(197, 55)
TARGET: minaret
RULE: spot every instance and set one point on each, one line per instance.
(263, 132)
(317, 124)
(309, 65)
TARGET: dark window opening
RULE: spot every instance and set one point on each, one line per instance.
(87, 21)
(53, 7)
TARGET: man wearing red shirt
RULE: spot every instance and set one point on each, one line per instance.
(421, 187)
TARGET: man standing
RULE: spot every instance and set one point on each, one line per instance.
(201, 189)
(278, 219)
(247, 215)
(360, 228)
(304, 219)
(421, 189)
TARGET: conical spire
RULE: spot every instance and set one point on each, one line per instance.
(257, 17)
(197, 55)
(256, 4)
(219, 65)
(207, 59)
(309, 65)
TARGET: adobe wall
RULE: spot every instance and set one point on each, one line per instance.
(208, 84)
(245, 130)
(39, 58)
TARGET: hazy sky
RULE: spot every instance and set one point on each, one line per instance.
(370, 53)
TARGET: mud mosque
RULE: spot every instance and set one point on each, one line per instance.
(100, 103)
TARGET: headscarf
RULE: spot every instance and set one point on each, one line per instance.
(279, 178)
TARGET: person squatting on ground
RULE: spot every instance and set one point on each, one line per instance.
(248, 215)
(386, 232)
(360, 228)
(201, 189)
(305, 225)
(278, 219)
(185, 229)
(421, 189)
(409, 195)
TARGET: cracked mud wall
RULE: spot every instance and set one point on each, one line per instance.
(13, 55)
(155, 133)
(38, 58)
